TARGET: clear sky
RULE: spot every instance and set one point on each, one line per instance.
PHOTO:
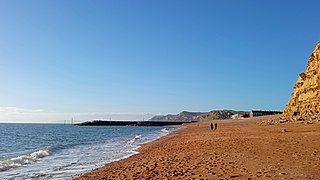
(128, 58)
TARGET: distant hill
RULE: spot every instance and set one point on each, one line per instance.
(183, 116)
(197, 116)
(220, 114)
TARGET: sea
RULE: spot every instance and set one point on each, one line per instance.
(58, 151)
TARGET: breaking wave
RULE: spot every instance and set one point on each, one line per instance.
(23, 159)
(165, 130)
(78, 154)
(131, 141)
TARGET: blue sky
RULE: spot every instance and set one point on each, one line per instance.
(139, 57)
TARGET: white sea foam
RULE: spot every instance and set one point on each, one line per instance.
(133, 140)
(23, 159)
(165, 130)
(65, 161)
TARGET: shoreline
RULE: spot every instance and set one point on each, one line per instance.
(237, 149)
(134, 151)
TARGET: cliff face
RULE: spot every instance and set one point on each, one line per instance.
(305, 100)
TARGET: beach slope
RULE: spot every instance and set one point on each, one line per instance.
(238, 149)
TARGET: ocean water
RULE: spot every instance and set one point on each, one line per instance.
(57, 151)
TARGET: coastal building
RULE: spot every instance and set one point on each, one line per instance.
(255, 113)
(236, 116)
(240, 116)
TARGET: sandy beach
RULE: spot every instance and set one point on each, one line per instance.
(238, 149)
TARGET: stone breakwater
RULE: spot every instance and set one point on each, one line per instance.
(130, 123)
(304, 104)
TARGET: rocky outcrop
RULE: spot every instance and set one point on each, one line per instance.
(305, 100)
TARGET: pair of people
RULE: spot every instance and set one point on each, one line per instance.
(215, 126)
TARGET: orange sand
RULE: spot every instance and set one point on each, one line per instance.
(238, 149)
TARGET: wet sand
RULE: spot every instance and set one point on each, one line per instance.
(238, 149)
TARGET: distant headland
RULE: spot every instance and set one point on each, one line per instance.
(182, 117)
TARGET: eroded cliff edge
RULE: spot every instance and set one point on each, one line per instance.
(304, 103)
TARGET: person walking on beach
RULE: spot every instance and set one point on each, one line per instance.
(215, 125)
(211, 126)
